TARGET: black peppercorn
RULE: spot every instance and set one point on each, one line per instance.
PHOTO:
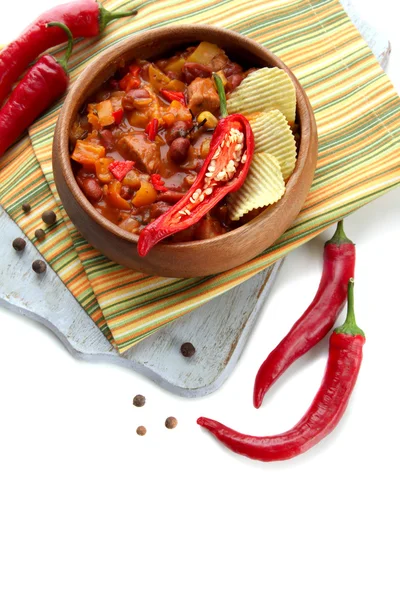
(39, 266)
(26, 207)
(19, 244)
(49, 217)
(40, 234)
(141, 430)
(139, 400)
(187, 349)
(171, 423)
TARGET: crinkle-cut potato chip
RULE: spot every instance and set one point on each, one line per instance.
(263, 90)
(264, 185)
(272, 134)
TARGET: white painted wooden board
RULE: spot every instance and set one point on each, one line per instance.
(218, 330)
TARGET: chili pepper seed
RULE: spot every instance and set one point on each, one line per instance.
(39, 266)
(139, 400)
(26, 207)
(49, 217)
(187, 349)
(40, 234)
(171, 423)
(141, 430)
(19, 244)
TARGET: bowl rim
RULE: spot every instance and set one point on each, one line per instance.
(94, 68)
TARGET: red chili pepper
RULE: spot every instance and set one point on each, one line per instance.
(129, 82)
(84, 18)
(170, 96)
(210, 186)
(135, 70)
(152, 129)
(345, 356)
(318, 319)
(158, 183)
(44, 83)
(120, 168)
(118, 116)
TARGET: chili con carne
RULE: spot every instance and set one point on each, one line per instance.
(46, 81)
(224, 171)
(84, 18)
(318, 319)
(345, 356)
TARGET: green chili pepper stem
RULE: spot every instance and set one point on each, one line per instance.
(221, 93)
(105, 16)
(350, 326)
(339, 237)
(64, 61)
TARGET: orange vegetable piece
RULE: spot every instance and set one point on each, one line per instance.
(105, 113)
(114, 197)
(86, 153)
(145, 195)
(102, 172)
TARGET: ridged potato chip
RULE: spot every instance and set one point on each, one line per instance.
(264, 185)
(263, 90)
(272, 134)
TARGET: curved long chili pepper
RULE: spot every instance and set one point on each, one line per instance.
(345, 356)
(318, 319)
(84, 18)
(224, 171)
(44, 83)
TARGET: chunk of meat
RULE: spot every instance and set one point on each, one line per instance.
(202, 96)
(137, 147)
(193, 70)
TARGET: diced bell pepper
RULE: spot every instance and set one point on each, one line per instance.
(145, 195)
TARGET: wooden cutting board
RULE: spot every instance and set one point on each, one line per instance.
(219, 329)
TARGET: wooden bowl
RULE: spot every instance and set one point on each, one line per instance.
(190, 259)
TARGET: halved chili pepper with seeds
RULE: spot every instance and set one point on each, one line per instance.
(224, 171)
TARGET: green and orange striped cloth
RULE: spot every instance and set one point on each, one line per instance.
(358, 118)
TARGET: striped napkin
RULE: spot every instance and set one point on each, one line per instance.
(358, 119)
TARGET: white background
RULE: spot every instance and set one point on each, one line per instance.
(89, 510)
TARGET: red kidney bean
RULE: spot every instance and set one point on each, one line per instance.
(91, 188)
(159, 208)
(126, 192)
(173, 75)
(179, 129)
(192, 70)
(107, 139)
(179, 149)
(198, 165)
(234, 81)
(171, 196)
(232, 69)
(128, 101)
